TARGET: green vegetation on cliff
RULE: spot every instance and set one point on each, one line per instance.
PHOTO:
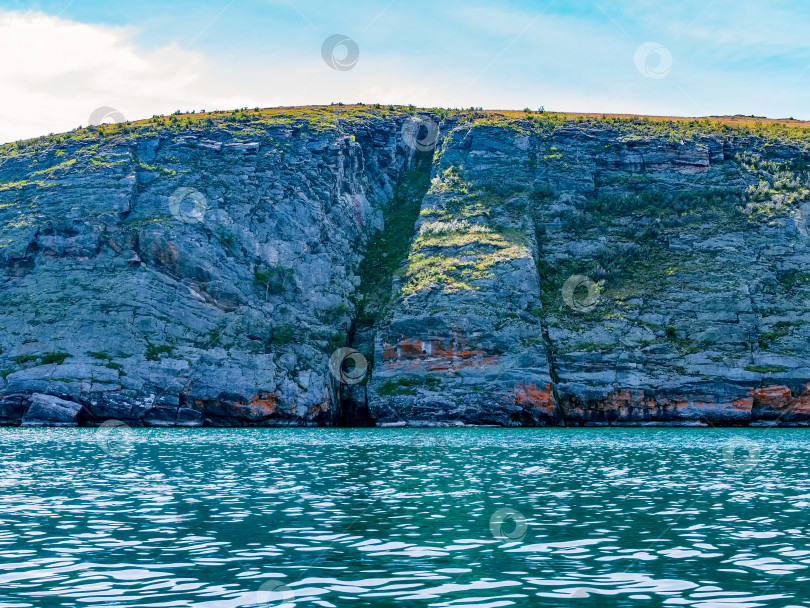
(534, 267)
(386, 249)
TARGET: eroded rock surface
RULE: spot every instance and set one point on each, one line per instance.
(584, 271)
(47, 410)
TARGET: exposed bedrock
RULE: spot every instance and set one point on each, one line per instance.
(522, 270)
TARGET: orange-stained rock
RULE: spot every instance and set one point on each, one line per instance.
(775, 397)
(406, 349)
(263, 404)
(626, 397)
(777, 403)
(410, 349)
(743, 404)
(319, 408)
(528, 395)
(439, 366)
(801, 406)
(417, 349)
(432, 355)
(638, 406)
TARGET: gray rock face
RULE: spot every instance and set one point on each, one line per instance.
(201, 270)
(47, 410)
(601, 275)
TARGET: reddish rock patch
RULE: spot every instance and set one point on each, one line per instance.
(637, 406)
(777, 403)
(433, 356)
(774, 397)
(417, 349)
(530, 396)
(263, 404)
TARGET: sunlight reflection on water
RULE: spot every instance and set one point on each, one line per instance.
(378, 517)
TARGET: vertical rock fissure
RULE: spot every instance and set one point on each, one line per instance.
(386, 252)
(550, 352)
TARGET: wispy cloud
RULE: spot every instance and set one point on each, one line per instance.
(63, 70)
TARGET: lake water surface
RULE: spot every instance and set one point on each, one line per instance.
(446, 518)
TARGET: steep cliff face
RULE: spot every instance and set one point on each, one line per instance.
(190, 274)
(489, 268)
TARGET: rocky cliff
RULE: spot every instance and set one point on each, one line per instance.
(390, 266)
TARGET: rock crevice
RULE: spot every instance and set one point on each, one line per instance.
(491, 268)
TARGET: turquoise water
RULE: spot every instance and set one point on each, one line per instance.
(400, 517)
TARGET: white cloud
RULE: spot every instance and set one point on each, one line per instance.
(56, 72)
(62, 71)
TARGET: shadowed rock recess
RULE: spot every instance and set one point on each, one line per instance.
(201, 269)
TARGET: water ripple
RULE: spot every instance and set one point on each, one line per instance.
(445, 518)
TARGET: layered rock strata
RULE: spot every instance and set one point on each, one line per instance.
(489, 268)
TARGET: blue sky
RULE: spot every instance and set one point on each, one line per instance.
(692, 58)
